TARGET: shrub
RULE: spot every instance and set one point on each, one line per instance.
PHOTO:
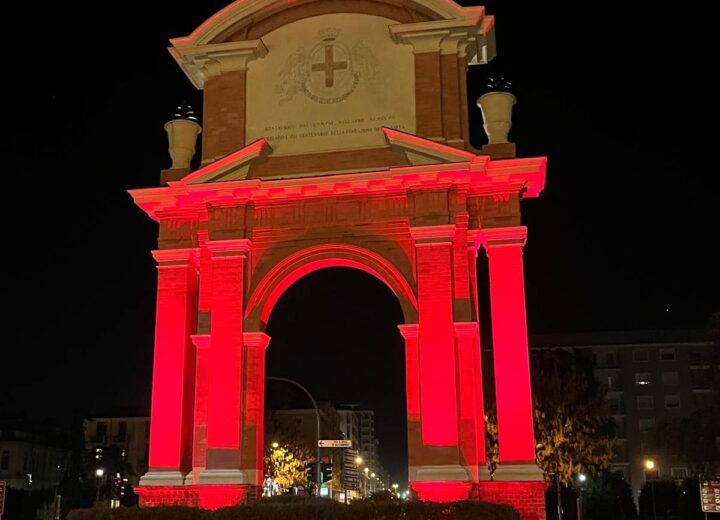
(310, 508)
(134, 513)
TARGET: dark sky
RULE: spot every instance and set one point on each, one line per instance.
(619, 99)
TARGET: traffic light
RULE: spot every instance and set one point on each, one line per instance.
(326, 472)
(312, 472)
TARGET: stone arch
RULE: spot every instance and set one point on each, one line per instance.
(239, 17)
(310, 259)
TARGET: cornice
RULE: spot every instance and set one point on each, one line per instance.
(479, 176)
(203, 62)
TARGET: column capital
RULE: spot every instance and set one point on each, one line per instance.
(409, 331)
(176, 257)
(256, 339)
(499, 237)
(201, 341)
(442, 36)
(205, 61)
(432, 234)
(225, 248)
(466, 328)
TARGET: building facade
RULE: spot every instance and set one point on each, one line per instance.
(120, 442)
(32, 461)
(650, 378)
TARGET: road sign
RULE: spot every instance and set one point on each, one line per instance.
(335, 443)
(2, 497)
(710, 494)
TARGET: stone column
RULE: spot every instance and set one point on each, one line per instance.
(225, 396)
(440, 77)
(472, 250)
(412, 384)
(171, 416)
(440, 476)
(220, 69)
(510, 353)
(472, 423)
(254, 416)
(202, 387)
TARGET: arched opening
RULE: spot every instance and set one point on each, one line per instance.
(334, 330)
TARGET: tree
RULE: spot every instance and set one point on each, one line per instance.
(571, 432)
(608, 497)
(287, 465)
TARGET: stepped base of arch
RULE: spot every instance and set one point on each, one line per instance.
(528, 497)
(205, 496)
(442, 490)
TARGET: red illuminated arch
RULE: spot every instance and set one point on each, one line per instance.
(311, 259)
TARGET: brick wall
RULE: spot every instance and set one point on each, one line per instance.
(527, 497)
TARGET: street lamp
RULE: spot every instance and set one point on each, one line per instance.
(395, 489)
(650, 466)
(275, 445)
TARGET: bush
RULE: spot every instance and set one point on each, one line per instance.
(134, 513)
(310, 508)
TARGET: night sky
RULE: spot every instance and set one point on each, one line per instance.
(623, 237)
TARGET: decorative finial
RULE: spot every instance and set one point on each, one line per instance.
(496, 105)
(182, 131)
(185, 111)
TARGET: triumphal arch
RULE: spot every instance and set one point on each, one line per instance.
(335, 133)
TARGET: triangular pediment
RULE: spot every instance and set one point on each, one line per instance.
(411, 149)
(419, 151)
(233, 167)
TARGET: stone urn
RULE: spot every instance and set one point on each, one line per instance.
(182, 139)
(496, 107)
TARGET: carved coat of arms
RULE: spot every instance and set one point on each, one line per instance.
(329, 72)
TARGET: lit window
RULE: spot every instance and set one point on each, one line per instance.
(672, 401)
(642, 378)
(670, 378)
(645, 402)
(667, 354)
(640, 355)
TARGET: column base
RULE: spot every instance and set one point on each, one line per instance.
(528, 497)
(438, 473)
(157, 495)
(222, 476)
(210, 496)
(442, 491)
(523, 472)
(162, 478)
(214, 496)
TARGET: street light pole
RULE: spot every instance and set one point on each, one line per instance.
(649, 466)
(317, 416)
(652, 489)
(99, 473)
